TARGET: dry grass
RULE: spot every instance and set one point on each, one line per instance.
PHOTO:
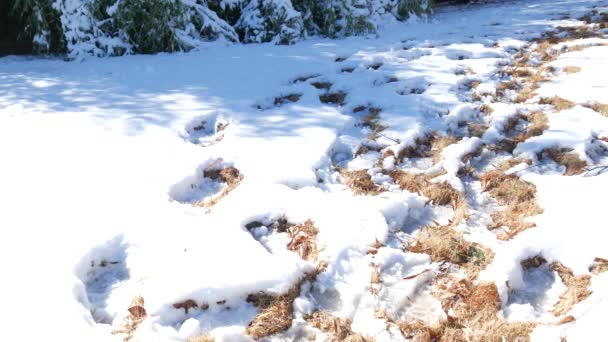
(339, 329)
(438, 193)
(509, 163)
(599, 265)
(599, 107)
(526, 93)
(281, 100)
(276, 311)
(187, 305)
(333, 98)
(229, 175)
(473, 317)
(304, 240)
(444, 243)
(430, 145)
(375, 66)
(477, 130)
(570, 69)
(321, 85)
(137, 314)
(517, 195)
(202, 338)
(372, 121)
(360, 182)
(538, 122)
(577, 289)
(438, 143)
(574, 165)
(486, 109)
(557, 102)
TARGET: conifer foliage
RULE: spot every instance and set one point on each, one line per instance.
(116, 27)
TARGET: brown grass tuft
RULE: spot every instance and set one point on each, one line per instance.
(321, 85)
(202, 338)
(578, 289)
(439, 193)
(599, 107)
(599, 265)
(333, 98)
(477, 130)
(281, 100)
(360, 182)
(538, 122)
(507, 164)
(229, 175)
(574, 165)
(276, 311)
(486, 109)
(517, 195)
(526, 93)
(137, 314)
(557, 102)
(444, 243)
(472, 317)
(372, 121)
(571, 69)
(304, 240)
(339, 329)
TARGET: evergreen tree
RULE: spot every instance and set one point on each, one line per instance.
(270, 21)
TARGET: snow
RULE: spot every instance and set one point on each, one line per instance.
(102, 159)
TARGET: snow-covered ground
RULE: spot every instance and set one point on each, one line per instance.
(109, 186)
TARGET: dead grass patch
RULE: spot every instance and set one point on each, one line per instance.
(599, 265)
(372, 121)
(321, 85)
(304, 240)
(577, 289)
(276, 311)
(476, 130)
(347, 70)
(137, 314)
(517, 195)
(570, 69)
(438, 193)
(375, 66)
(526, 93)
(202, 338)
(486, 109)
(339, 329)
(538, 122)
(557, 102)
(510, 163)
(229, 175)
(430, 145)
(599, 107)
(573, 164)
(290, 98)
(444, 243)
(333, 98)
(472, 316)
(360, 182)
(304, 78)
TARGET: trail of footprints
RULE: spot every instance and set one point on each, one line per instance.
(484, 175)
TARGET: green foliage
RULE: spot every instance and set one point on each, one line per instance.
(405, 8)
(148, 24)
(231, 14)
(40, 23)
